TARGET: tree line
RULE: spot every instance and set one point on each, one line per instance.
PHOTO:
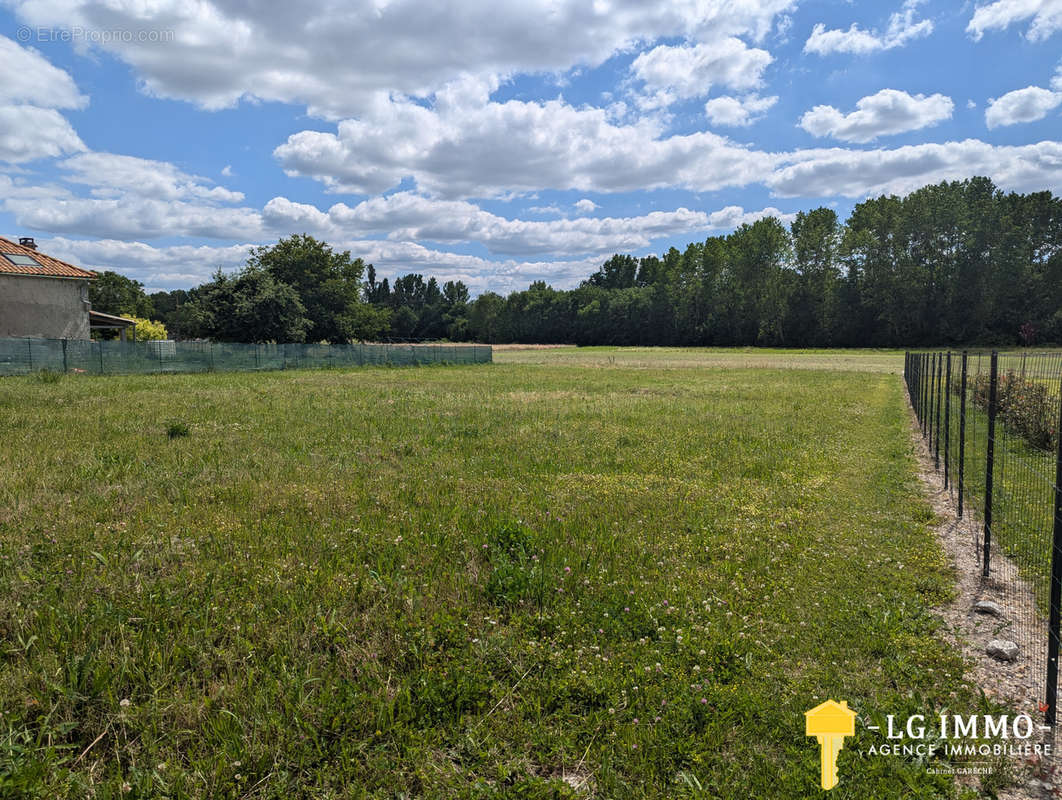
(950, 264)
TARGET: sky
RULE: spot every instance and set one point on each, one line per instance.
(498, 142)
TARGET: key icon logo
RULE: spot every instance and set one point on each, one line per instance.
(830, 722)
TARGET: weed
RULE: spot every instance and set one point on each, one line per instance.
(48, 376)
(176, 430)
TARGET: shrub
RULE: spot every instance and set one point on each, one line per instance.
(1025, 407)
(149, 330)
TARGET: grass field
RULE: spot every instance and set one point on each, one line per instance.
(523, 580)
(694, 357)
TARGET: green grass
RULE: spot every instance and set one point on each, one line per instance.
(693, 357)
(467, 582)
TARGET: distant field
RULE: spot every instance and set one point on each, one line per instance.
(506, 581)
(690, 357)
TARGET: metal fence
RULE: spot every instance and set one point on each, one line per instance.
(23, 356)
(991, 422)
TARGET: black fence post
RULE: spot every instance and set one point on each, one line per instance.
(912, 382)
(929, 400)
(936, 414)
(922, 391)
(916, 365)
(927, 379)
(932, 398)
(1051, 695)
(947, 421)
(962, 432)
(990, 460)
(66, 367)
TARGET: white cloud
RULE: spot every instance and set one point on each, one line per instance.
(902, 28)
(184, 266)
(405, 216)
(551, 210)
(737, 111)
(336, 57)
(859, 173)
(1022, 105)
(886, 112)
(134, 198)
(585, 206)
(131, 216)
(19, 188)
(156, 267)
(31, 89)
(127, 203)
(735, 216)
(1046, 16)
(28, 133)
(113, 175)
(473, 148)
(28, 77)
(782, 27)
(685, 71)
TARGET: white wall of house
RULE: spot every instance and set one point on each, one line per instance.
(46, 307)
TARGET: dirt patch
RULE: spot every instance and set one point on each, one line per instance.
(1018, 684)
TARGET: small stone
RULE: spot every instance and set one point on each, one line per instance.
(988, 607)
(1002, 650)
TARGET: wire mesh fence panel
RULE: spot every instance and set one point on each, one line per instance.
(26, 355)
(1003, 460)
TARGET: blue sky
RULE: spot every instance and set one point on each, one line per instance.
(498, 143)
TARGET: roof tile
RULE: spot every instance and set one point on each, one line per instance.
(49, 267)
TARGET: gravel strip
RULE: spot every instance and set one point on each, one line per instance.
(1015, 684)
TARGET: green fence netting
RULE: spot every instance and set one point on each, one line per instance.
(23, 356)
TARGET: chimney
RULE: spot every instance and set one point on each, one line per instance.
(27, 241)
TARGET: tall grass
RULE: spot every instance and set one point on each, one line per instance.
(514, 581)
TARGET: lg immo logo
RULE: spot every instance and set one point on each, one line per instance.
(830, 722)
(941, 737)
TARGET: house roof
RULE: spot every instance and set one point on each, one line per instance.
(47, 266)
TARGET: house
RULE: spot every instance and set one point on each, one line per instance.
(41, 296)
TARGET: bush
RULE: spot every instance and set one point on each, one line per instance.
(1025, 407)
(149, 330)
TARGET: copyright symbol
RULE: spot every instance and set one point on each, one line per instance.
(23, 34)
